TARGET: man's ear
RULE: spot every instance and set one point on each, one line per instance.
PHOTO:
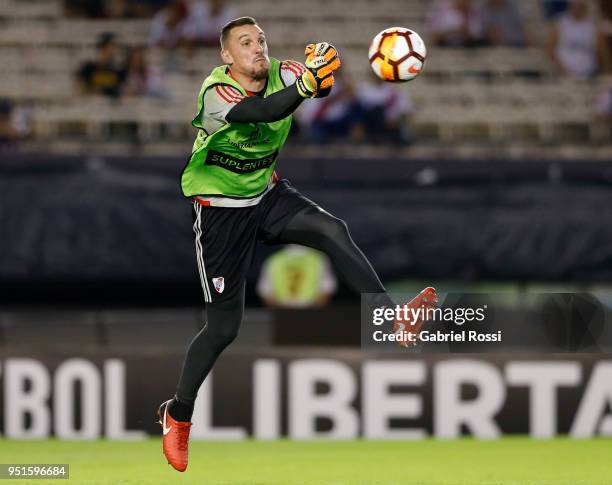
(226, 57)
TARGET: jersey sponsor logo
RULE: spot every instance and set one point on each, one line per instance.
(249, 144)
(255, 138)
(238, 165)
(219, 284)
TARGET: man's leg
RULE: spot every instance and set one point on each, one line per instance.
(318, 229)
(221, 328)
(224, 242)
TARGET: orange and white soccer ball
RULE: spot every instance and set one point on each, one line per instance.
(397, 54)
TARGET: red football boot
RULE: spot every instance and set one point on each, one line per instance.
(176, 438)
(426, 299)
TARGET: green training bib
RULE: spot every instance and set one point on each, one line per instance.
(238, 159)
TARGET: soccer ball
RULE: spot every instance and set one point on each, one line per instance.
(397, 54)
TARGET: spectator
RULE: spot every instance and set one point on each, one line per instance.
(455, 23)
(172, 26)
(387, 110)
(602, 114)
(603, 105)
(296, 277)
(121, 9)
(93, 9)
(208, 19)
(9, 134)
(142, 79)
(576, 44)
(148, 8)
(104, 75)
(554, 8)
(338, 115)
(605, 6)
(503, 24)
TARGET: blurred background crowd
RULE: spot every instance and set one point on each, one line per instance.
(100, 94)
(503, 77)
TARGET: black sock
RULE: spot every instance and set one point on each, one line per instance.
(180, 410)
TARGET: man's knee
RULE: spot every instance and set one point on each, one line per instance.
(334, 231)
(223, 321)
(319, 229)
(224, 335)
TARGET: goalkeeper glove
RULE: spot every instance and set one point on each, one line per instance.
(321, 62)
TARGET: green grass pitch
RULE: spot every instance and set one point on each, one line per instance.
(458, 462)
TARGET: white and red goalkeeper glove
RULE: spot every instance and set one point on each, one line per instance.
(321, 61)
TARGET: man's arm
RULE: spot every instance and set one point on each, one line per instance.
(313, 80)
(551, 47)
(275, 107)
(225, 104)
(603, 53)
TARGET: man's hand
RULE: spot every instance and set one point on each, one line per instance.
(321, 62)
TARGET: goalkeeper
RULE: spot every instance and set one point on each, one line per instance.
(244, 116)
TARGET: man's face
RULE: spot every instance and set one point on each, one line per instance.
(246, 51)
(108, 52)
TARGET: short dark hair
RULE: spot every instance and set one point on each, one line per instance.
(235, 23)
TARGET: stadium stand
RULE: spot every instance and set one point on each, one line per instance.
(485, 98)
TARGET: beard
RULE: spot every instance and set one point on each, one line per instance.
(259, 73)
